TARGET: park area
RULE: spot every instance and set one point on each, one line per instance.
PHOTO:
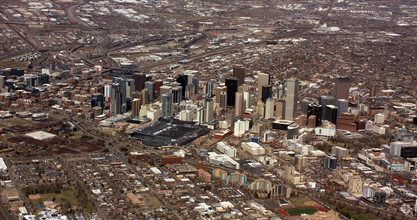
(301, 210)
(65, 199)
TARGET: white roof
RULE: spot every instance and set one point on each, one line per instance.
(40, 135)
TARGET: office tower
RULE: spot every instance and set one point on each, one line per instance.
(231, 84)
(304, 104)
(196, 83)
(263, 79)
(176, 92)
(140, 80)
(281, 88)
(266, 92)
(183, 80)
(209, 108)
(239, 104)
(342, 106)
(151, 90)
(136, 103)
(279, 109)
(116, 99)
(330, 162)
(122, 83)
(165, 89)
(219, 90)
(42, 79)
(130, 87)
(107, 92)
(247, 97)
(144, 96)
(292, 131)
(189, 91)
(167, 105)
(355, 185)
(331, 113)
(209, 89)
(200, 116)
(269, 108)
(315, 109)
(239, 72)
(346, 121)
(223, 100)
(97, 100)
(260, 108)
(300, 162)
(374, 90)
(158, 84)
(342, 89)
(325, 100)
(291, 99)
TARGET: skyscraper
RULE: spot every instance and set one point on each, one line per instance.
(281, 89)
(223, 100)
(239, 72)
(130, 87)
(177, 94)
(331, 113)
(97, 100)
(263, 79)
(196, 83)
(219, 90)
(291, 99)
(116, 99)
(342, 89)
(269, 108)
(183, 80)
(316, 110)
(139, 81)
(122, 83)
(209, 89)
(330, 162)
(209, 108)
(279, 110)
(231, 84)
(167, 105)
(247, 98)
(151, 90)
(324, 101)
(136, 103)
(239, 104)
(107, 92)
(342, 106)
(266, 92)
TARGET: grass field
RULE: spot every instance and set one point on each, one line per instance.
(154, 201)
(299, 202)
(355, 215)
(299, 211)
(15, 121)
(65, 196)
(62, 197)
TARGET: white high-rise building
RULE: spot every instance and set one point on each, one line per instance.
(247, 98)
(226, 149)
(269, 108)
(379, 119)
(240, 128)
(209, 105)
(291, 99)
(107, 92)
